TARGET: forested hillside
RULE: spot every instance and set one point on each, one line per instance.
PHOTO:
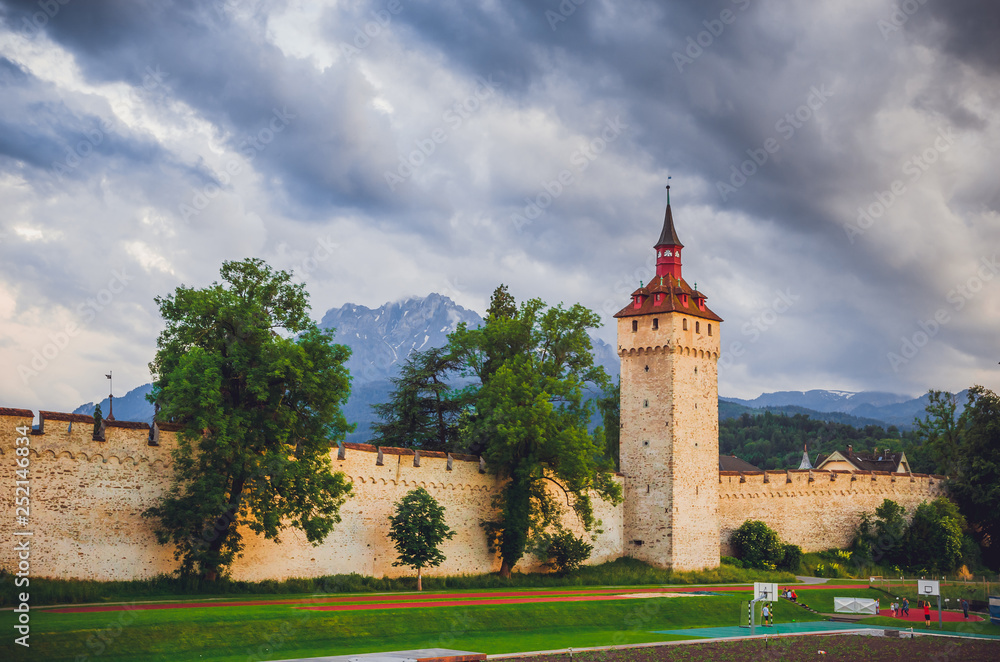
(775, 441)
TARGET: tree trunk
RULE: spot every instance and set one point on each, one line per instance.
(505, 570)
(420, 585)
(222, 524)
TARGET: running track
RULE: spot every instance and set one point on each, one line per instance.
(408, 601)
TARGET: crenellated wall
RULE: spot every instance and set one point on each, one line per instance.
(87, 497)
(816, 510)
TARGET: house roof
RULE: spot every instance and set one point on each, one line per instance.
(865, 461)
(733, 463)
(672, 300)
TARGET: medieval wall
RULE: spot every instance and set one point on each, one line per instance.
(816, 510)
(87, 496)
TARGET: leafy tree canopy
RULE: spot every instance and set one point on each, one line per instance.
(757, 545)
(534, 365)
(976, 488)
(934, 538)
(417, 529)
(257, 389)
(422, 411)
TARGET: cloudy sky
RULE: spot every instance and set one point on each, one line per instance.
(834, 171)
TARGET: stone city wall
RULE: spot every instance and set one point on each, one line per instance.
(87, 496)
(815, 510)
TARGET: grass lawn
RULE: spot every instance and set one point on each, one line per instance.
(281, 631)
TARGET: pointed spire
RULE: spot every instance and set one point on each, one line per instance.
(805, 464)
(668, 236)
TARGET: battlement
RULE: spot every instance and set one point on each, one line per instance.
(815, 509)
(74, 434)
(817, 479)
(89, 492)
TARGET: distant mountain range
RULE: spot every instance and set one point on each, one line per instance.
(865, 407)
(382, 338)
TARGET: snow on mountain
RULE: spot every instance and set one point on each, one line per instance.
(382, 339)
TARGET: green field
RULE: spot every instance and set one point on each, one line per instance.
(272, 631)
(280, 631)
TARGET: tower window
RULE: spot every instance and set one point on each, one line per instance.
(685, 325)
(709, 329)
(656, 323)
(645, 403)
(647, 368)
(697, 327)
(635, 325)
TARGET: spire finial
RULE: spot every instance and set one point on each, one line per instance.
(668, 190)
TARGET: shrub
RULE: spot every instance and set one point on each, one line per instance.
(792, 558)
(729, 560)
(757, 545)
(564, 551)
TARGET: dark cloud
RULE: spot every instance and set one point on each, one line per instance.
(967, 29)
(826, 110)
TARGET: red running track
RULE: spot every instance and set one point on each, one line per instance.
(436, 599)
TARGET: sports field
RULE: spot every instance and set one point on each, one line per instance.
(492, 622)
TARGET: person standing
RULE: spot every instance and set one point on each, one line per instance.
(766, 614)
(906, 608)
(927, 613)
(965, 608)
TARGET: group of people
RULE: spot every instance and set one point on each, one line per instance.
(900, 608)
(790, 595)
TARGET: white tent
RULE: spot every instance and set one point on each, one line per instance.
(854, 606)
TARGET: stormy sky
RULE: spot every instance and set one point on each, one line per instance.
(834, 170)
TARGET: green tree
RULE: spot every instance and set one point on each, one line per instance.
(881, 539)
(531, 417)
(940, 432)
(257, 389)
(757, 545)
(934, 538)
(421, 411)
(98, 418)
(610, 406)
(976, 488)
(417, 528)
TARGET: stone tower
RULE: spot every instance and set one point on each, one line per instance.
(668, 341)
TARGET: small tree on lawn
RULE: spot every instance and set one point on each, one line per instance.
(417, 528)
